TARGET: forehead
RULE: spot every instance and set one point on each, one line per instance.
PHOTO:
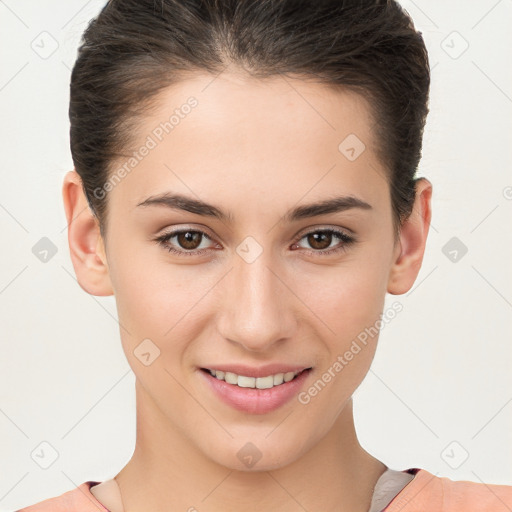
(266, 108)
(275, 136)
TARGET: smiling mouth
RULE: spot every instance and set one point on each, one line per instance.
(243, 381)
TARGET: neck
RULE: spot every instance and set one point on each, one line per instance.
(166, 472)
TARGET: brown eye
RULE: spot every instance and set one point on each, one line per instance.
(185, 242)
(189, 239)
(320, 240)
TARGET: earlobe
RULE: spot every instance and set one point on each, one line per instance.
(411, 245)
(85, 242)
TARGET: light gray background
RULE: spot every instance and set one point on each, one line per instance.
(440, 387)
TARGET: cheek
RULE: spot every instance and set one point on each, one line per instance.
(159, 301)
(346, 298)
(351, 310)
(350, 305)
(348, 301)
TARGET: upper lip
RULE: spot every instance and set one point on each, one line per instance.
(260, 371)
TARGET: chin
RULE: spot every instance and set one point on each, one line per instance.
(258, 452)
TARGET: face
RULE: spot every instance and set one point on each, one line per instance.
(256, 283)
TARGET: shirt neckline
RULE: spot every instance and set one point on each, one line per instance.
(401, 496)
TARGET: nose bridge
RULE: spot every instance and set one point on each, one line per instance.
(256, 309)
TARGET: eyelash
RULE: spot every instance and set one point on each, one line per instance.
(346, 239)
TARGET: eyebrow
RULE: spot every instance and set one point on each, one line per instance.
(189, 204)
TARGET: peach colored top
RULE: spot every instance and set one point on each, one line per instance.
(409, 490)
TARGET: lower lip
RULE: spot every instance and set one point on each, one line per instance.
(252, 400)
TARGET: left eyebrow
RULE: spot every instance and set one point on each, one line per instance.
(337, 204)
(189, 204)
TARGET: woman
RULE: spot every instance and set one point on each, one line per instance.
(245, 186)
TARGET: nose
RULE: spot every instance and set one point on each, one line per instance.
(257, 307)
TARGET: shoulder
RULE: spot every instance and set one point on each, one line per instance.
(478, 496)
(428, 492)
(79, 499)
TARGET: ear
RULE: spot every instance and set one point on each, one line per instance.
(410, 247)
(86, 245)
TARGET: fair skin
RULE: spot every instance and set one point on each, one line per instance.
(256, 150)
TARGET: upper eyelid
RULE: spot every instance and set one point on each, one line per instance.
(176, 231)
(323, 227)
(299, 235)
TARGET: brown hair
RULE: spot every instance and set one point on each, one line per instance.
(135, 48)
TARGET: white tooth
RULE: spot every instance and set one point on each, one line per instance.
(278, 379)
(265, 382)
(288, 376)
(246, 382)
(253, 382)
(231, 378)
